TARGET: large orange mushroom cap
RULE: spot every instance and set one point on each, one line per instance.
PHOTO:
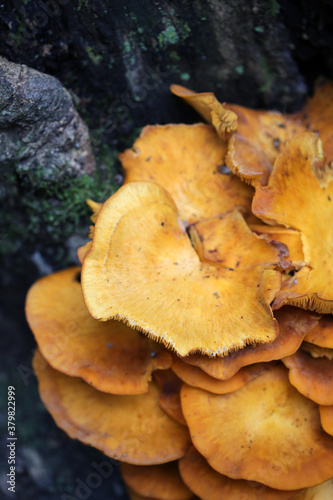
(210, 485)
(266, 432)
(206, 104)
(143, 270)
(110, 356)
(312, 377)
(156, 481)
(300, 195)
(230, 242)
(133, 429)
(186, 161)
(294, 324)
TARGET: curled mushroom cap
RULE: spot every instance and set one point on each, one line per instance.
(133, 429)
(289, 237)
(110, 356)
(156, 481)
(230, 242)
(210, 485)
(294, 324)
(163, 289)
(312, 377)
(277, 442)
(223, 119)
(299, 195)
(186, 161)
(196, 377)
(260, 137)
(322, 334)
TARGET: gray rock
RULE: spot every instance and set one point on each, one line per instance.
(40, 130)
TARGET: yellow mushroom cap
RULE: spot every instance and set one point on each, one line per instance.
(133, 429)
(110, 356)
(143, 270)
(156, 481)
(300, 195)
(186, 160)
(266, 432)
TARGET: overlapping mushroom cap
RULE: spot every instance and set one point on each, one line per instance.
(163, 289)
(186, 262)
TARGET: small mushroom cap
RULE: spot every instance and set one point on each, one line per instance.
(162, 288)
(294, 324)
(266, 432)
(196, 377)
(323, 491)
(186, 161)
(156, 481)
(210, 485)
(133, 429)
(170, 386)
(312, 377)
(322, 334)
(110, 356)
(326, 418)
(230, 242)
(260, 137)
(300, 195)
(206, 104)
(290, 237)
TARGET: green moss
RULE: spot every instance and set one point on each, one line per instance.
(93, 56)
(52, 211)
(127, 47)
(239, 70)
(169, 36)
(185, 77)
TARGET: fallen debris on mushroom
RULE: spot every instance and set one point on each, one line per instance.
(203, 314)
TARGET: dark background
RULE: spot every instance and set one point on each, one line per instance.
(118, 59)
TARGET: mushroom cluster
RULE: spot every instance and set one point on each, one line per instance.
(195, 344)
